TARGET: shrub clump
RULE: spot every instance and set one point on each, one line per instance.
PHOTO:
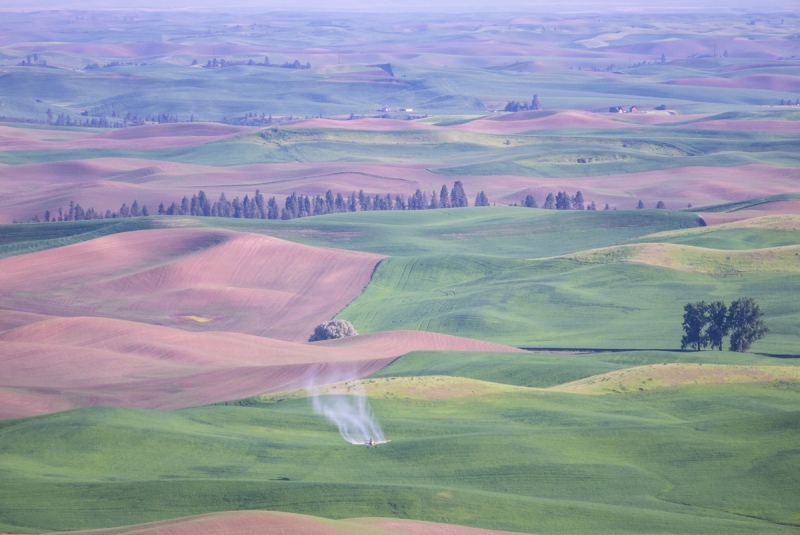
(332, 329)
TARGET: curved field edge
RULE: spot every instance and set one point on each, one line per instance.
(639, 379)
(602, 303)
(541, 371)
(493, 230)
(505, 461)
(279, 523)
(785, 259)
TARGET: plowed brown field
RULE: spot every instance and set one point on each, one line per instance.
(242, 282)
(65, 363)
(150, 137)
(276, 523)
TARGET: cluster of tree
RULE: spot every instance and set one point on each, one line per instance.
(128, 119)
(331, 330)
(218, 64)
(63, 119)
(661, 61)
(299, 206)
(707, 324)
(560, 201)
(22, 120)
(253, 119)
(200, 205)
(76, 213)
(659, 205)
(789, 102)
(523, 106)
(32, 62)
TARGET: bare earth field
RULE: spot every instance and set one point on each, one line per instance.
(66, 363)
(241, 282)
(142, 138)
(275, 523)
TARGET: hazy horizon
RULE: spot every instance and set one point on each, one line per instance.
(417, 6)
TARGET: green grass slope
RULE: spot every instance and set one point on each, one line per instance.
(561, 302)
(29, 238)
(543, 370)
(710, 459)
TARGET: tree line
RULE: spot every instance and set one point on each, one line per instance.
(707, 324)
(561, 201)
(294, 206)
(524, 106)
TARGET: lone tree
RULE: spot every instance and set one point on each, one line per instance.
(745, 323)
(640, 205)
(716, 324)
(332, 329)
(694, 322)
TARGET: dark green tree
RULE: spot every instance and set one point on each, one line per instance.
(444, 197)
(694, 323)
(364, 202)
(716, 323)
(481, 199)
(549, 202)
(458, 199)
(272, 208)
(529, 201)
(563, 202)
(577, 201)
(205, 205)
(330, 202)
(640, 205)
(319, 206)
(746, 324)
(434, 201)
(660, 205)
(194, 206)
